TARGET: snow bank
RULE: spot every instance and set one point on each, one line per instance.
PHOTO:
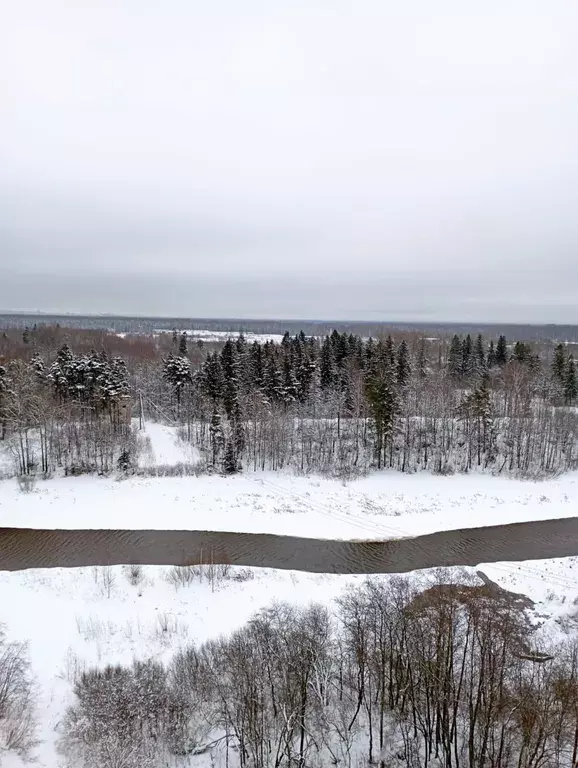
(381, 506)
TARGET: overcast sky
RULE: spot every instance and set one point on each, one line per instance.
(368, 159)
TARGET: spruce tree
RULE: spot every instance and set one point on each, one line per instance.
(256, 365)
(217, 435)
(238, 431)
(403, 368)
(230, 463)
(305, 376)
(290, 386)
(521, 353)
(421, 362)
(381, 393)
(61, 373)
(477, 406)
(229, 364)
(491, 356)
(177, 372)
(389, 351)
(327, 368)
(480, 354)
(183, 344)
(570, 382)
(241, 344)
(368, 354)
(4, 392)
(455, 357)
(502, 351)
(468, 361)
(559, 364)
(175, 338)
(272, 383)
(211, 378)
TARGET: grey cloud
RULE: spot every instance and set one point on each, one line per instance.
(476, 297)
(314, 159)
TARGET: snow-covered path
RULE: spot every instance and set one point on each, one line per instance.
(166, 447)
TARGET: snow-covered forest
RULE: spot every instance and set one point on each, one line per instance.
(340, 404)
(125, 665)
(446, 675)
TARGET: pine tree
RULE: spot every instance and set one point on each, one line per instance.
(403, 368)
(183, 344)
(570, 382)
(559, 364)
(502, 352)
(455, 358)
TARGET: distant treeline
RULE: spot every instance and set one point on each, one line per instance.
(146, 325)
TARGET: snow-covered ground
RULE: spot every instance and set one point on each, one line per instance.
(164, 446)
(383, 505)
(78, 617)
(206, 335)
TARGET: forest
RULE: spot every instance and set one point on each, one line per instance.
(73, 400)
(433, 674)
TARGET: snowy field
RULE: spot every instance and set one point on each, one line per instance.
(79, 617)
(205, 335)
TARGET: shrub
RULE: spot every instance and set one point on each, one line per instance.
(17, 698)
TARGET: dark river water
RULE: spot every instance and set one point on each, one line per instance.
(22, 548)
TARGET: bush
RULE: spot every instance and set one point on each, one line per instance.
(123, 717)
(134, 573)
(17, 698)
(182, 575)
(26, 483)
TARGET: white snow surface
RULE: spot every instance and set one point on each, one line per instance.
(206, 335)
(166, 448)
(72, 618)
(383, 505)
